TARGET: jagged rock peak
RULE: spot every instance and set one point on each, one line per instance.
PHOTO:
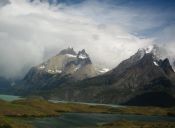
(69, 50)
(82, 54)
(165, 64)
(152, 49)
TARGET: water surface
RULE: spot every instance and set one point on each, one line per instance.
(92, 104)
(9, 97)
(77, 120)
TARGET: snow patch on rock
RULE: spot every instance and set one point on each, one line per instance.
(42, 67)
(81, 56)
(104, 70)
(70, 55)
(155, 63)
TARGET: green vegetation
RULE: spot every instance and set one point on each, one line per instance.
(144, 111)
(140, 124)
(42, 108)
(8, 122)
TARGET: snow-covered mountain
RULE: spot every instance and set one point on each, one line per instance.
(143, 79)
(146, 74)
(158, 54)
(152, 49)
(67, 66)
(57, 64)
(68, 62)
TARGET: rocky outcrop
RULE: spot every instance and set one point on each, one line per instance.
(129, 83)
(65, 66)
(143, 79)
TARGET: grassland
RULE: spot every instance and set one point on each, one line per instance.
(140, 124)
(42, 108)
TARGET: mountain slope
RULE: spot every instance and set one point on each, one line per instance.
(139, 76)
(5, 85)
(65, 66)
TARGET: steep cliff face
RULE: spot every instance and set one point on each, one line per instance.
(136, 72)
(82, 67)
(145, 76)
(138, 78)
(65, 66)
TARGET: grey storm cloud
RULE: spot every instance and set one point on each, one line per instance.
(4, 2)
(32, 32)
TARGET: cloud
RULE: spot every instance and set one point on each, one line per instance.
(166, 39)
(32, 32)
(4, 2)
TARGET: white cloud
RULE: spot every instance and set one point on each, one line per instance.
(30, 33)
(166, 39)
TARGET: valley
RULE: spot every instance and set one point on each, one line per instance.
(87, 64)
(67, 91)
(39, 113)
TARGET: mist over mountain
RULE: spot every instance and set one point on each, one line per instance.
(65, 67)
(109, 31)
(71, 76)
(67, 62)
(87, 63)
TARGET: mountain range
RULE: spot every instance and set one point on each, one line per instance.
(66, 66)
(143, 79)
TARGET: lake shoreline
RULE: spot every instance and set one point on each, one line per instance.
(39, 111)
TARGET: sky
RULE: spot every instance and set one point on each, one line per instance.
(31, 31)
